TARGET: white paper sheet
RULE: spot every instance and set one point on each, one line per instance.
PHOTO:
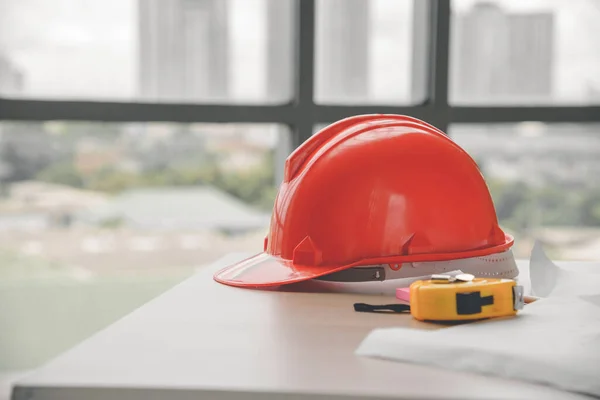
(547, 279)
(554, 341)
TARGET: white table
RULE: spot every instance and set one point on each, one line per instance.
(205, 340)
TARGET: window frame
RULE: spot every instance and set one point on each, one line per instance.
(302, 114)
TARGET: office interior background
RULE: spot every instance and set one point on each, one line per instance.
(143, 139)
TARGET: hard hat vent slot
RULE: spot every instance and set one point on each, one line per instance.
(405, 248)
(417, 243)
(306, 253)
(496, 235)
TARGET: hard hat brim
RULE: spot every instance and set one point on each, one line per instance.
(264, 270)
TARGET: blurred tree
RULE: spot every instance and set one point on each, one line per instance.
(20, 166)
(508, 197)
(520, 206)
(25, 150)
(63, 173)
(590, 208)
(557, 206)
(255, 186)
(112, 181)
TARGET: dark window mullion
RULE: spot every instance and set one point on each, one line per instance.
(438, 65)
(305, 77)
(497, 114)
(38, 110)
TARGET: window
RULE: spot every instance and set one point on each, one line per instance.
(149, 50)
(370, 51)
(532, 52)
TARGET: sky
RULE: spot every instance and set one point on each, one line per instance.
(87, 48)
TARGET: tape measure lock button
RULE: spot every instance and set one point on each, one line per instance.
(471, 302)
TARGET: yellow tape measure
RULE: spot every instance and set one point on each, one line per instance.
(447, 298)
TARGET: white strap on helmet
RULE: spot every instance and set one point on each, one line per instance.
(499, 265)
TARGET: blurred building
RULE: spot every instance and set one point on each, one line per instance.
(500, 56)
(280, 49)
(186, 208)
(11, 78)
(593, 93)
(183, 47)
(343, 49)
(33, 205)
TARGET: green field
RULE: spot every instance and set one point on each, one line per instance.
(46, 309)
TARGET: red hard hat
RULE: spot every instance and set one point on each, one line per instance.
(372, 190)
